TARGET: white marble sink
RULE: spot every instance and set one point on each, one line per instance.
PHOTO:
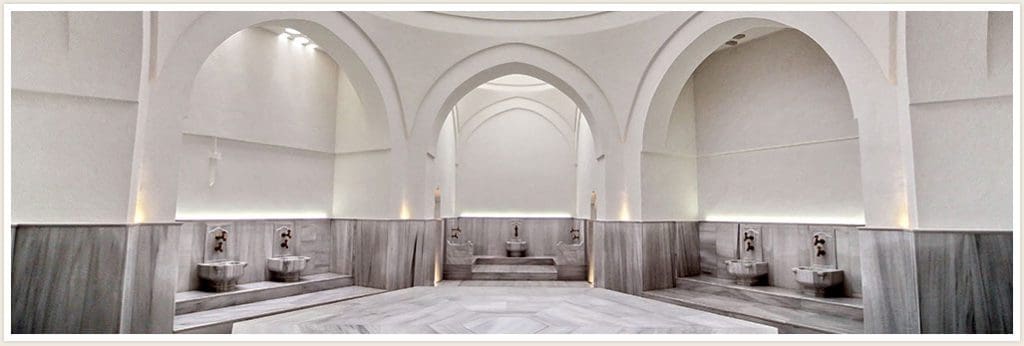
(818, 280)
(220, 276)
(286, 268)
(747, 272)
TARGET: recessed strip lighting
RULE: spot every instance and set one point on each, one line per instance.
(301, 39)
(292, 31)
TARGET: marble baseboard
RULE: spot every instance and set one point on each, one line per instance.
(572, 272)
(150, 277)
(889, 270)
(67, 279)
(93, 278)
(394, 254)
(458, 271)
(847, 308)
(965, 282)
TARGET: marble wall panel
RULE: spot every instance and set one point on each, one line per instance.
(395, 254)
(314, 240)
(342, 251)
(252, 243)
(889, 279)
(686, 249)
(489, 234)
(848, 259)
(719, 242)
(618, 254)
(150, 278)
(190, 238)
(657, 240)
(785, 246)
(965, 282)
(68, 279)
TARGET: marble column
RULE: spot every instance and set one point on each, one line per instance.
(93, 278)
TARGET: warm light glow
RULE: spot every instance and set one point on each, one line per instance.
(251, 215)
(515, 215)
(284, 35)
(292, 31)
(301, 40)
(140, 212)
(404, 213)
(824, 220)
(312, 46)
(624, 210)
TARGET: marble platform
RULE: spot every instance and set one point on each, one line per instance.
(219, 321)
(506, 310)
(193, 301)
(519, 283)
(514, 272)
(784, 309)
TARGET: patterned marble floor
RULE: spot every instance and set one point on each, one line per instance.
(500, 310)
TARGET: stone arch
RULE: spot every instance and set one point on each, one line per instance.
(156, 159)
(518, 103)
(872, 95)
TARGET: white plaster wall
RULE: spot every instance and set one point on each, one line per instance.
(776, 137)
(75, 81)
(273, 105)
(252, 181)
(669, 163)
(516, 162)
(362, 185)
(589, 171)
(445, 167)
(356, 128)
(262, 88)
(960, 73)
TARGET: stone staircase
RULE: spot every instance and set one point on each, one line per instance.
(514, 268)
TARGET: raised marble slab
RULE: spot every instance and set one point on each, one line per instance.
(514, 272)
(852, 308)
(787, 320)
(220, 320)
(518, 283)
(515, 260)
(193, 301)
(506, 310)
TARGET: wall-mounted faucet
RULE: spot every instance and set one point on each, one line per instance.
(515, 229)
(221, 239)
(748, 240)
(574, 233)
(819, 246)
(286, 234)
(456, 232)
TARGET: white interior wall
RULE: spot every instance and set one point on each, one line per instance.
(960, 80)
(776, 137)
(74, 102)
(589, 172)
(669, 163)
(272, 104)
(445, 167)
(518, 163)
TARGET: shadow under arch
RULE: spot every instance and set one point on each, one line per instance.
(514, 58)
(154, 180)
(500, 107)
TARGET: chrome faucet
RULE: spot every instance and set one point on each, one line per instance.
(455, 233)
(285, 236)
(574, 233)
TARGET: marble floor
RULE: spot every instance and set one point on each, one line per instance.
(463, 309)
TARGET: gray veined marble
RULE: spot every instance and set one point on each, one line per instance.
(890, 282)
(495, 309)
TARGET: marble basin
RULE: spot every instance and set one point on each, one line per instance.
(515, 248)
(747, 272)
(286, 268)
(819, 280)
(220, 276)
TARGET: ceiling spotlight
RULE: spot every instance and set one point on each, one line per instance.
(301, 39)
(731, 43)
(292, 31)
(739, 36)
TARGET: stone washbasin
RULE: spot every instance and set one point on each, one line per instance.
(747, 272)
(515, 247)
(821, 281)
(220, 276)
(286, 268)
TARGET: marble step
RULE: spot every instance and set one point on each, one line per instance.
(194, 301)
(851, 308)
(219, 321)
(515, 260)
(514, 272)
(787, 320)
